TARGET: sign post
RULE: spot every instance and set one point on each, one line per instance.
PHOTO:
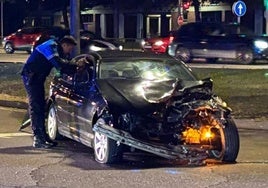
(239, 8)
(266, 14)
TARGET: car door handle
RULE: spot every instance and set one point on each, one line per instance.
(204, 42)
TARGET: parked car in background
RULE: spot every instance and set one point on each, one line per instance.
(127, 100)
(56, 32)
(22, 39)
(89, 41)
(157, 44)
(218, 40)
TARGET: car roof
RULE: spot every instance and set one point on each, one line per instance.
(129, 54)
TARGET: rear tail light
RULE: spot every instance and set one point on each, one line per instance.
(171, 38)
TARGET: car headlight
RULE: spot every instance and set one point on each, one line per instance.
(95, 48)
(260, 44)
(143, 42)
(159, 43)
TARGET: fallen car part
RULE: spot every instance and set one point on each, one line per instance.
(25, 124)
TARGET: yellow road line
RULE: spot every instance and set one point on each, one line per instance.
(10, 135)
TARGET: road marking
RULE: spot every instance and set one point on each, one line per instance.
(10, 135)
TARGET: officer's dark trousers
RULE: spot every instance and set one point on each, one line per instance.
(36, 96)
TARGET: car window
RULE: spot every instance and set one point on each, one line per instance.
(29, 31)
(211, 29)
(187, 30)
(234, 29)
(146, 69)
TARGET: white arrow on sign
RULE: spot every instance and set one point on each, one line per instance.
(240, 7)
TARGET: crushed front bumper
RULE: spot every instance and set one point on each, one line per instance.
(192, 155)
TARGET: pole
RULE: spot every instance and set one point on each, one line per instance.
(75, 23)
(2, 20)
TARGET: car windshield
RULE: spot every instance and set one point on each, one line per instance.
(145, 69)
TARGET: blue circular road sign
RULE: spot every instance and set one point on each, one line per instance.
(239, 8)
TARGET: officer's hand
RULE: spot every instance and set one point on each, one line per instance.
(81, 62)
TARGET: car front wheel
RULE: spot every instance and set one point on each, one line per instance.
(183, 54)
(228, 144)
(244, 55)
(106, 150)
(9, 48)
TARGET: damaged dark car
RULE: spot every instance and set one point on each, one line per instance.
(122, 101)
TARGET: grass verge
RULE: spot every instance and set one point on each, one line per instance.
(246, 91)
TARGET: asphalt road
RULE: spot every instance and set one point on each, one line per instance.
(71, 164)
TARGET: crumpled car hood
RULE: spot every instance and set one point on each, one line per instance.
(142, 95)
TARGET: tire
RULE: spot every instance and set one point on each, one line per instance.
(9, 49)
(183, 54)
(244, 56)
(229, 143)
(52, 124)
(106, 150)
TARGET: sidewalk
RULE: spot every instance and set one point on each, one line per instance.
(259, 124)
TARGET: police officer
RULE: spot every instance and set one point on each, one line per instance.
(47, 55)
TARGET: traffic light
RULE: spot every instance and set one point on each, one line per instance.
(186, 4)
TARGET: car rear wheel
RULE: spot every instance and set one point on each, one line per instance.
(9, 48)
(183, 54)
(244, 55)
(52, 126)
(106, 150)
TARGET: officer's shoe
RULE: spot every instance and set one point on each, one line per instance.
(40, 144)
(49, 141)
(52, 143)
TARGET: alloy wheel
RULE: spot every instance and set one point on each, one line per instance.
(100, 146)
(52, 128)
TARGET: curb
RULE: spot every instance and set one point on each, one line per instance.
(14, 104)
